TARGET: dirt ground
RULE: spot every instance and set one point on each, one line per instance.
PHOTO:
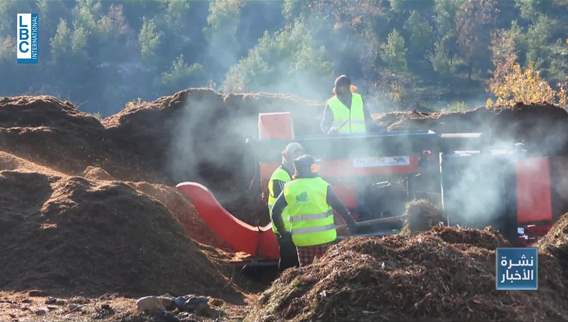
(21, 307)
(90, 220)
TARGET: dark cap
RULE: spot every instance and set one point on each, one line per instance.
(342, 80)
(303, 165)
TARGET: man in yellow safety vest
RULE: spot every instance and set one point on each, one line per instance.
(345, 112)
(279, 178)
(309, 201)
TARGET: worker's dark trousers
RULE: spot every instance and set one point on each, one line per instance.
(288, 254)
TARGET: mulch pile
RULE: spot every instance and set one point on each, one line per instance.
(447, 274)
(71, 235)
(541, 127)
(556, 242)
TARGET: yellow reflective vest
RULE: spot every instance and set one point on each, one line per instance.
(348, 120)
(309, 214)
(281, 175)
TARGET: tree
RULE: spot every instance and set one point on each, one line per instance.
(409, 5)
(149, 40)
(420, 35)
(79, 42)
(60, 41)
(474, 21)
(525, 86)
(510, 82)
(536, 39)
(7, 49)
(284, 61)
(393, 53)
(442, 61)
(504, 52)
(176, 11)
(180, 74)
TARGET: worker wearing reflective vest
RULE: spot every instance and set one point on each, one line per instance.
(279, 178)
(309, 201)
(345, 113)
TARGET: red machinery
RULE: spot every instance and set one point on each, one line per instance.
(520, 186)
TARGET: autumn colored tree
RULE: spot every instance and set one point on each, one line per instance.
(511, 83)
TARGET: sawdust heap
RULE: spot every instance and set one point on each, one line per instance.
(71, 234)
(540, 126)
(443, 275)
(555, 242)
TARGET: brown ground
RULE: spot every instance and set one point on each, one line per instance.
(20, 306)
(88, 210)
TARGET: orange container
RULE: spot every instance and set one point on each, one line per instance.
(277, 126)
(534, 201)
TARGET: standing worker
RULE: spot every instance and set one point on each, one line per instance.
(308, 202)
(279, 178)
(345, 113)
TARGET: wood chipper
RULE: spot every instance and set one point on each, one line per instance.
(376, 174)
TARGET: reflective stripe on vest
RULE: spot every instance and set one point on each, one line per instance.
(309, 214)
(348, 120)
(308, 230)
(281, 175)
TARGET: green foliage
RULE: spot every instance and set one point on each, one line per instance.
(442, 61)
(536, 39)
(60, 42)
(224, 14)
(177, 10)
(530, 9)
(420, 34)
(285, 60)
(149, 40)
(474, 20)
(409, 5)
(292, 8)
(393, 53)
(102, 53)
(180, 74)
(79, 41)
(7, 49)
(457, 106)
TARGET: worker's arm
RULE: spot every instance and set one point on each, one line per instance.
(338, 206)
(277, 210)
(326, 120)
(277, 187)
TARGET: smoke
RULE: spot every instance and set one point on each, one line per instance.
(209, 141)
(480, 186)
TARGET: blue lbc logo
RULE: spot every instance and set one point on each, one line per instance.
(27, 38)
(516, 268)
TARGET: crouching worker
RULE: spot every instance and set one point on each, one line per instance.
(279, 178)
(308, 202)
